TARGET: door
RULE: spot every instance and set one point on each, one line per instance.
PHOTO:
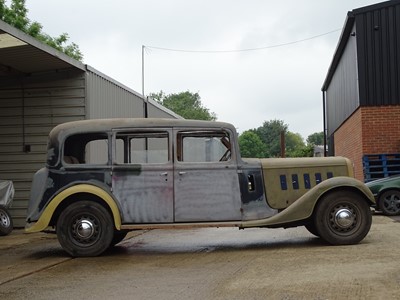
(206, 179)
(142, 177)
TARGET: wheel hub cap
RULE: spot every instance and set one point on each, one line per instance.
(85, 229)
(344, 218)
(4, 220)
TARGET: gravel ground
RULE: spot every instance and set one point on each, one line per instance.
(209, 263)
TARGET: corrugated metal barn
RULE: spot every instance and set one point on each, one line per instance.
(362, 87)
(40, 88)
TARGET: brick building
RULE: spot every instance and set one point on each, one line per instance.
(361, 92)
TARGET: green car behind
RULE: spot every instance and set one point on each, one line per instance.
(387, 194)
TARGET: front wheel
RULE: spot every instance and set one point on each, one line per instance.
(310, 226)
(343, 218)
(85, 228)
(6, 223)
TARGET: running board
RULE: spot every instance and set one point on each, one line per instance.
(180, 225)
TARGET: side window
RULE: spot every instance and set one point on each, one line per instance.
(119, 151)
(88, 148)
(205, 146)
(96, 152)
(142, 148)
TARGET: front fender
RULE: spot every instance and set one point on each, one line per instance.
(47, 214)
(304, 206)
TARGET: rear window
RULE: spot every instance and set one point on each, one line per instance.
(90, 148)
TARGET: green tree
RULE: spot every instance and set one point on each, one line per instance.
(186, 104)
(17, 16)
(305, 151)
(270, 134)
(251, 145)
(317, 138)
(294, 142)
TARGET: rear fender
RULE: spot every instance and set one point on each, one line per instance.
(303, 208)
(48, 212)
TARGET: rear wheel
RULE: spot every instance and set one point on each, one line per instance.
(118, 237)
(343, 218)
(389, 203)
(85, 228)
(6, 223)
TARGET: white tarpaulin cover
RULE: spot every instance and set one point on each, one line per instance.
(6, 192)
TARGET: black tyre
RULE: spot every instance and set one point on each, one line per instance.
(6, 223)
(389, 203)
(310, 226)
(343, 218)
(85, 228)
(118, 237)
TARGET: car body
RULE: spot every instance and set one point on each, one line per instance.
(106, 177)
(387, 194)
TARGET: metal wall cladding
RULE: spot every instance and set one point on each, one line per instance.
(378, 50)
(342, 96)
(107, 98)
(28, 111)
(156, 110)
(367, 71)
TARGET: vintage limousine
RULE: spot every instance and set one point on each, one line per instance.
(104, 178)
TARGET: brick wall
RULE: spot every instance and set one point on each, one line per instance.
(381, 129)
(369, 130)
(348, 142)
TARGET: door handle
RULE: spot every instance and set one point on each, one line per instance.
(164, 174)
(181, 173)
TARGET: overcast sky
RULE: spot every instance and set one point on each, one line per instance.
(244, 88)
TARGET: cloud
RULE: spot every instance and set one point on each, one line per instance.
(245, 88)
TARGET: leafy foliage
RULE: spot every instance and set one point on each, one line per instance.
(265, 141)
(304, 151)
(316, 138)
(294, 144)
(270, 134)
(251, 145)
(16, 16)
(186, 104)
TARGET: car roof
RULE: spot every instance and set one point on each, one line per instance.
(102, 125)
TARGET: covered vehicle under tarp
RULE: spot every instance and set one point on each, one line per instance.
(6, 192)
(6, 197)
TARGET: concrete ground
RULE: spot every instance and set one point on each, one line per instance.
(207, 264)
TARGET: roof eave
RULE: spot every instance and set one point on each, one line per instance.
(344, 36)
(39, 45)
